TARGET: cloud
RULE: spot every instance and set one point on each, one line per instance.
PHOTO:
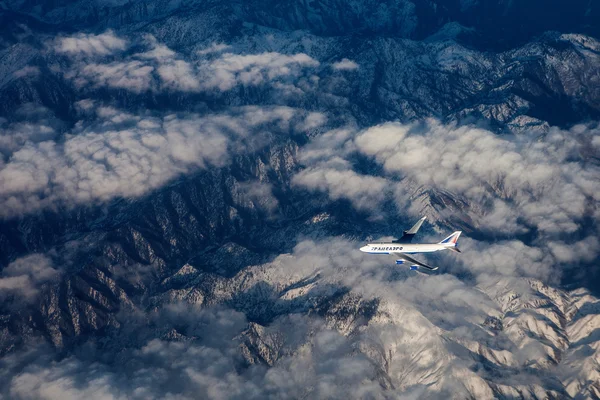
(510, 258)
(345, 65)
(230, 69)
(22, 279)
(541, 188)
(30, 123)
(29, 70)
(207, 365)
(155, 369)
(365, 192)
(256, 195)
(160, 68)
(179, 75)
(328, 337)
(88, 45)
(508, 178)
(156, 50)
(118, 154)
(328, 171)
(14, 136)
(313, 120)
(425, 336)
(213, 48)
(424, 325)
(507, 184)
(132, 75)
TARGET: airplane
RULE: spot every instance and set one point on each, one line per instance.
(402, 247)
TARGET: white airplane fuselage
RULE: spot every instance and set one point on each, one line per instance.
(402, 247)
(387, 248)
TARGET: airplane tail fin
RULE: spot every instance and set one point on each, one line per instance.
(452, 240)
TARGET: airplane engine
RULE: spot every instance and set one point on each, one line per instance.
(400, 262)
(414, 267)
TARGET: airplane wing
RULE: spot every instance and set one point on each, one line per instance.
(409, 234)
(412, 260)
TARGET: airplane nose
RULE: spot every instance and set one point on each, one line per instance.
(364, 249)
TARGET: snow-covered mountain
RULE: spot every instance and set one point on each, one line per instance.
(184, 185)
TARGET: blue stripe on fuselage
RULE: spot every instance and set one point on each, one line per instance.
(401, 252)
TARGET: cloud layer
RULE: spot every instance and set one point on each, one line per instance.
(208, 365)
(118, 154)
(345, 65)
(159, 68)
(89, 45)
(22, 279)
(426, 335)
(542, 186)
(517, 182)
(415, 342)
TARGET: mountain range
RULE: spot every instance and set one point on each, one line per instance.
(184, 186)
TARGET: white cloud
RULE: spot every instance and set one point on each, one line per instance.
(534, 180)
(179, 75)
(22, 279)
(365, 192)
(508, 258)
(132, 75)
(213, 48)
(500, 185)
(328, 171)
(256, 195)
(125, 155)
(313, 120)
(418, 339)
(506, 184)
(29, 70)
(230, 69)
(345, 65)
(14, 136)
(208, 367)
(156, 50)
(160, 68)
(90, 45)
